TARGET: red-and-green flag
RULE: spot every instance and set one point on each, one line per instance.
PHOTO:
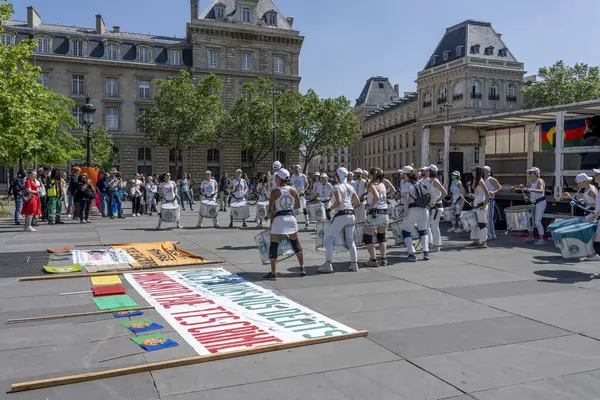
(573, 134)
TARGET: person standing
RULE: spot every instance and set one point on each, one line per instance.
(72, 189)
(151, 192)
(45, 180)
(31, 201)
(351, 180)
(17, 186)
(136, 195)
(436, 207)
(238, 191)
(224, 184)
(345, 200)
(300, 183)
(209, 189)
(457, 190)
(361, 191)
(594, 218)
(479, 234)
(377, 218)
(537, 197)
(323, 189)
(415, 200)
(191, 187)
(101, 186)
(493, 187)
(184, 191)
(284, 199)
(168, 194)
(55, 197)
(84, 196)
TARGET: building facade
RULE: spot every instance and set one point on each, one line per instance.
(237, 40)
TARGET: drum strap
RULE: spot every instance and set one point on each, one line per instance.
(374, 211)
(343, 212)
(284, 212)
(324, 200)
(413, 205)
(539, 200)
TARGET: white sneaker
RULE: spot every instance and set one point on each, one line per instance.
(29, 229)
(539, 242)
(353, 267)
(458, 230)
(198, 225)
(179, 226)
(306, 227)
(158, 226)
(69, 216)
(592, 258)
(371, 264)
(139, 215)
(133, 215)
(326, 268)
(217, 225)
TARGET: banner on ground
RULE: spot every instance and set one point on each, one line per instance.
(158, 254)
(101, 257)
(216, 311)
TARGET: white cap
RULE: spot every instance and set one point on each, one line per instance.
(488, 169)
(283, 174)
(423, 168)
(276, 165)
(358, 171)
(238, 170)
(341, 172)
(323, 175)
(580, 178)
(433, 168)
(317, 173)
(596, 171)
(534, 169)
(208, 173)
(407, 170)
(456, 173)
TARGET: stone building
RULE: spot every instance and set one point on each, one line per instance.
(238, 40)
(471, 72)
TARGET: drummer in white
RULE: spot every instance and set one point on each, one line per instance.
(589, 191)
(345, 201)
(457, 190)
(479, 234)
(323, 189)
(284, 199)
(361, 191)
(493, 187)
(377, 218)
(209, 189)
(238, 190)
(168, 194)
(415, 199)
(537, 197)
(436, 207)
(300, 182)
(594, 217)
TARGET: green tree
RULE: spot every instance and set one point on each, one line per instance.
(562, 84)
(320, 127)
(184, 113)
(103, 156)
(35, 122)
(250, 121)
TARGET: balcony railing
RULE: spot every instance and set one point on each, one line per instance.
(442, 99)
(511, 99)
(476, 96)
(458, 96)
(494, 97)
(427, 103)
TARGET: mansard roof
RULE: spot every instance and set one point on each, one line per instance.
(262, 8)
(378, 91)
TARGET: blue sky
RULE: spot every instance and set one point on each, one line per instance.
(347, 41)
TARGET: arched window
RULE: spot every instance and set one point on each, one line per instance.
(475, 90)
(493, 92)
(458, 91)
(144, 162)
(175, 174)
(144, 53)
(511, 93)
(427, 99)
(442, 95)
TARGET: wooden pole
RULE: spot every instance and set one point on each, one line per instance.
(180, 362)
(109, 273)
(82, 314)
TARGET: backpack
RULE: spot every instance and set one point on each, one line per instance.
(422, 197)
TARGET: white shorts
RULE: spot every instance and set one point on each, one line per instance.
(284, 225)
(416, 216)
(380, 221)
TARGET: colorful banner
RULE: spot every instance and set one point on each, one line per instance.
(101, 257)
(216, 311)
(573, 134)
(158, 254)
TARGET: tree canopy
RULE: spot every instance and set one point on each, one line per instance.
(103, 155)
(562, 84)
(184, 113)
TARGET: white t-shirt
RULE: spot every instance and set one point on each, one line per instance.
(209, 187)
(345, 192)
(238, 188)
(41, 187)
(324, 190)
(382, 201)
(168, 190)
(299, 182)
(409, 187)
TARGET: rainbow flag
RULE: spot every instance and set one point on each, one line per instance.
(573, 134)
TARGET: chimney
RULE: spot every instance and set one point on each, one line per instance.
(499, 35)
(33, 18)
(100, 27)
(397, 89)
(194, 9)
(116, 29)
(290, 21)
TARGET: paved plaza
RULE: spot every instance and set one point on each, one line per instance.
(511, 322)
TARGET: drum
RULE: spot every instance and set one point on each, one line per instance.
(468, 220)
(263, 242)
(563, 222)
(240, 211)
(261, 209)
(209, 209)
(359, 230)
(396, 212)
(170, 212)
(339, 243)
(316, 212)
(397, 232)
(519, 218)
(360, 213)
(576, 240)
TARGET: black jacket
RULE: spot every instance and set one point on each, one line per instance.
(590, 159)
(87, 194)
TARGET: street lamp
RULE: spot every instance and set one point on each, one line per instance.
(88, 110)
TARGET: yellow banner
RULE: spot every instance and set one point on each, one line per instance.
(159, 254)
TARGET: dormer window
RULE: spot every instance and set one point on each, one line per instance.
(433, 59)
(144, 54)
(77, 47)
(489, 51)
(503, 52)
(112, 51)
(271, 18)
(445, 55)
(459, 51)
(175, 57)
(43, 45)
(219, 13)
(475, 49)
(6, 39)
(246, 15)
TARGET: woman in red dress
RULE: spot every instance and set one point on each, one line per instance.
(31, 207)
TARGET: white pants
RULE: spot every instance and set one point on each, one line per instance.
(480, 234)
(201, 220)
(434, 226)
(223, 200)
(345, 222)
(419, 217)
(538, 213)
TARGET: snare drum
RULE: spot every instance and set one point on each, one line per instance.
(397, 232)
(361, 214)
(519, 218)
(316, 212)
(468, 220)
(576, 240)
(209, 209)
(396, 212)
(170, 212)
(263, 242)
(261, 209)
(339, 243)
(359, 230)
(564, 222)
(240, 211)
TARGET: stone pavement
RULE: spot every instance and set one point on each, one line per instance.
(510, 322)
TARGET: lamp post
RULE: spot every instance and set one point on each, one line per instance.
(274, 138)
(88, 110)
